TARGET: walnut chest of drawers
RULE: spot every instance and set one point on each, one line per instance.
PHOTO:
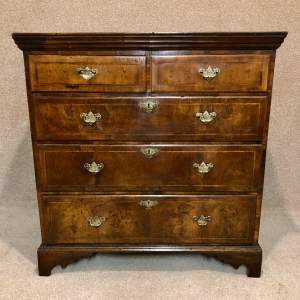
(149, 142)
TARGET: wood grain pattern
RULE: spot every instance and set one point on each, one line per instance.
(150, 41)
(238, 119)
(163, 67)
(250, 256)
(170, 221)
(114, 73)
(180, 73)
(236, 168)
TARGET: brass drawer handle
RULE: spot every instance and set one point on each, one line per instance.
(86, 73)
(203, 167)
(96, 221)
(149, 152)
(202, 220)
(90, 118)
(148, 204)
(148, 106)
(209, 73)
(206, 117)
(93, 167)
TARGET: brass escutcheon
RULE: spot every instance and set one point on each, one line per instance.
(90, 118)
(209, 73)
(202, 220)
(149, 152)
(93, 167)
(203, 167)
(96, 221)
(148, 105)
(148, 204)
(206, 117)
(86, 73)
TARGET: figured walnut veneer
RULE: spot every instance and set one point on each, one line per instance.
(149, 142)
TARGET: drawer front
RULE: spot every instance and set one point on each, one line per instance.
(223, 118)
(104, 73)
(149, 219)
(210, 73)
(149, 167)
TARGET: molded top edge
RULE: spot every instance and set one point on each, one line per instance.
(149, 41)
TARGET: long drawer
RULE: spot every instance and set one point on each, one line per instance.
(87, 73)
(149, 219)
(210, 73)
(149, 167)
(173, 118)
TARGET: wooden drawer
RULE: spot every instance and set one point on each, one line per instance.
(195, 119)
(185, 73)
(113, 73)
(149, 219)
(125, 167)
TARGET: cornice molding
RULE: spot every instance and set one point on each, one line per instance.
(148, 41)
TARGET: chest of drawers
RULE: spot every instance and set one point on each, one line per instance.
(149, 142)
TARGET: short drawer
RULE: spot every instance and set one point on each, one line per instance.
(149, 219)
(210, 73)
(149, 167)
(188, 118)
(87, 73)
